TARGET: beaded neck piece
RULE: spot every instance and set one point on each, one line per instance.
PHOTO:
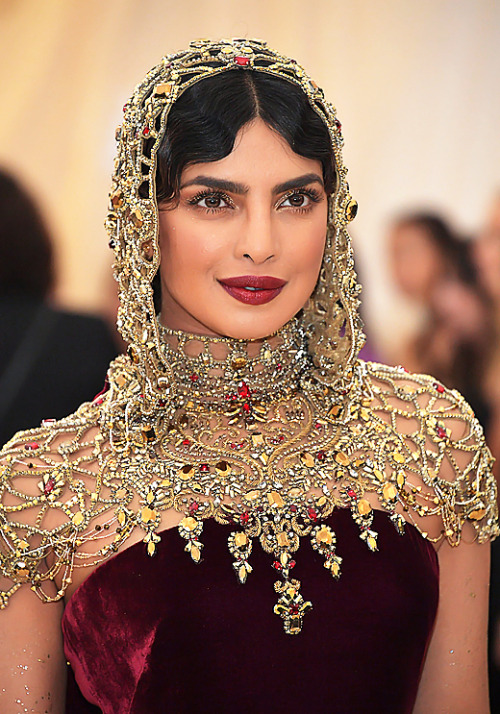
(218, 371)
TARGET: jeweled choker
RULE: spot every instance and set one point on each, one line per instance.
(220, 371)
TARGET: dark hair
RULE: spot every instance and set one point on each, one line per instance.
(455, 251)
(26, 254)
(204, 121)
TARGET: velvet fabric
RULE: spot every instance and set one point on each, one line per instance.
(155, 635)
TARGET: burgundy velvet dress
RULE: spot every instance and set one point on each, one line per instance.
(163, 634)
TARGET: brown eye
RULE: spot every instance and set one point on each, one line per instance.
(212, 201)
(297, 200)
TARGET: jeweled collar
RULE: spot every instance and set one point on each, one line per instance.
(225, 371)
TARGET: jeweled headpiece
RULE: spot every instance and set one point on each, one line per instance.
(330, 318)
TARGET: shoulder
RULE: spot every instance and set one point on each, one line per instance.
(48, 477)
(445, 453)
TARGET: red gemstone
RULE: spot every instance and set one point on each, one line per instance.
(351, 493)
(49, 486)
(186, 442)
(294, 610)
(194, 378)
(244, 518)
(161, 403)
(204, 468)
(292, 564)
(242, 61)
(145, 131)
(321, 455)
(441, 432)
(277, 565)
(244, 391)
(31, 446)
(281, 437)
(125, 106)
(317, 425)
(232, 445)
(293, 509)
(312, 514)
(247, 408)
(194, 507)
(98, 401)
(439, 388)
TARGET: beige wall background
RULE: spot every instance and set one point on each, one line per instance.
(416, 84)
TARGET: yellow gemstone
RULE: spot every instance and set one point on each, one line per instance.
(324, 535)
(401, 478)
(151, 548)
(335, 411)
(321, 501)
(364, 414)
(290, 592)
(257, 439)
(477, 514)
(351, 210)
(334, 568)
(282, 539)
(117, 199)
(389, 491)
(364, 507)
(164, 88)
(189, 523)
(239, 362)
(195, 553)
(342, 458)
(275, 499)
(372, 543)
(121, 518)
(240, 539)
(307, 459)
(147, 514)
(186, 472)
(137, 217)
(226, 50)
(242, 573)
(150, 497)
(23, 544)
(379, 475)
(252, 495)
(78, 518)
(264, 457)
(398, 457)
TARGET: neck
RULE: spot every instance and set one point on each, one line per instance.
(222, 371)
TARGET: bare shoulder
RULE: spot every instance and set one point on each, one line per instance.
(446, 460)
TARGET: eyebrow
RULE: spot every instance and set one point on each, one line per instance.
(241, 189)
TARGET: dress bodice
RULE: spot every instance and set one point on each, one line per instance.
(164, 634)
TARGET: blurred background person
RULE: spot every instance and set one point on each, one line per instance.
(50, 360)
(487, 259)
(486, 252)
(433, 267)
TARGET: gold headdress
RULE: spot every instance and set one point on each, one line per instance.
(330, 319)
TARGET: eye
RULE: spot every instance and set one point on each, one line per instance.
(302, 199)
(211, 201)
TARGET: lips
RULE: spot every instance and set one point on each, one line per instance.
(253, 289)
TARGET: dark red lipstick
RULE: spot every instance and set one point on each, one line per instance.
(253, 289)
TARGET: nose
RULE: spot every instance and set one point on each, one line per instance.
(257, 239)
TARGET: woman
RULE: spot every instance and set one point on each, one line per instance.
(240, 426)
(433, 267)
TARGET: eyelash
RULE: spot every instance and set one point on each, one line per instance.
(311, 193)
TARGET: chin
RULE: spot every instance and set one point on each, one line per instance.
(255, 328)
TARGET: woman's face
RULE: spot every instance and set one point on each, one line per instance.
(242, 248)
(417, 264)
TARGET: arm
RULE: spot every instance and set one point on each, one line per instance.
(454, 679)
(32, 662)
